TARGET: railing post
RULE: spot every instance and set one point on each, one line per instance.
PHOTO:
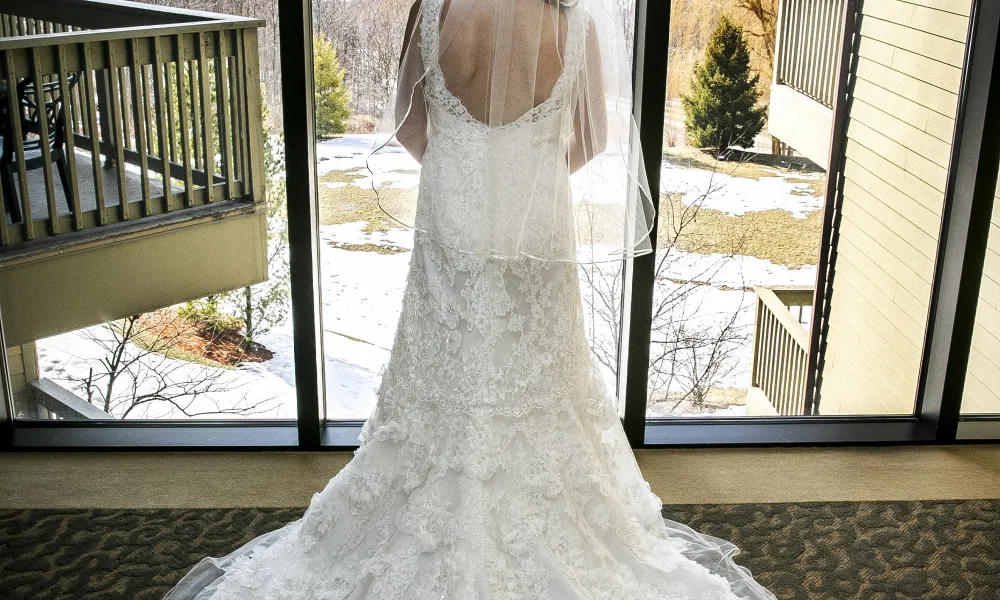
(754, 360)
(781, 348)
(255, 129)
(103, 102)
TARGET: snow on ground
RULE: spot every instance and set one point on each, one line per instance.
(362, 297)
(362, 291)
(68, 359)
(604, 178)
(356, 151)
(734, 271)
(740, 195)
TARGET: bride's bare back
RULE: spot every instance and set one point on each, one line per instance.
(502, 58)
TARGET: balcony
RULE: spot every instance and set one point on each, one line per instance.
(132, 153)
(800, 112)
(780, 352)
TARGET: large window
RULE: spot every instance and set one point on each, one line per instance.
(187, 250)
(739, 212)
(982, 383)
(173, 145)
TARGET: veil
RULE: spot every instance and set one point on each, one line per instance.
(519, 112)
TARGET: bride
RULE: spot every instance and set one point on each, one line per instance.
(494, 465)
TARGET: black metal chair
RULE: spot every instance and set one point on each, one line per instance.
(33, 108)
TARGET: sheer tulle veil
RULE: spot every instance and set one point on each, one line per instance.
(495, 464)
(570, 187)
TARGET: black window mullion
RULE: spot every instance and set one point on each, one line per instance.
(298, 111)
(649, 102)
(6, 395)
(971, 186)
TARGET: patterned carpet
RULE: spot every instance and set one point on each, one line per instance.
(815, 551)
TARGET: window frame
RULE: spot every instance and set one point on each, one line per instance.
(972, 178)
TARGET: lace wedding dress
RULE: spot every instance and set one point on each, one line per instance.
(494, 465)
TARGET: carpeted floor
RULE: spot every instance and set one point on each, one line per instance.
(940, 550)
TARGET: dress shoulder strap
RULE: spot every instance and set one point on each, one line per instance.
(430, 32)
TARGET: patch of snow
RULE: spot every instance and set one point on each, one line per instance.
(718, 190)
(354, 151)
(736, 271)
(68, 358)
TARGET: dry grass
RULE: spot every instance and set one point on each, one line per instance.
(351, 203)
(168, 334)
(378, 249)
(751, 166)
(717, 398)
(773, 235)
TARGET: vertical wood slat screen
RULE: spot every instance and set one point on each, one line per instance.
(781, 351)
(154, 124)
(808, 47)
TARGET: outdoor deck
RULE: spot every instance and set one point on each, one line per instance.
(88, 195)
(158, 112)
(166, 94)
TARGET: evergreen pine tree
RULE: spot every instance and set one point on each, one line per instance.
(331, 94)
(721, 110)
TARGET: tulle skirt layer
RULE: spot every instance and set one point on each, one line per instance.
(530, 510)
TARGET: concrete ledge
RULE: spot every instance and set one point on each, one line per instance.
(758, 405)
(289, 479)
(64, 403)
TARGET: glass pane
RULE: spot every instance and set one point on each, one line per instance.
(743, 197)
(105, 327)
(731, 218)
(897, 154)
(982, 382)
(602, 284)
(364, 254)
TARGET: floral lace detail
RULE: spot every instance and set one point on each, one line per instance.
(494, 466)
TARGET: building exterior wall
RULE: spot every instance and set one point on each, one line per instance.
(23, 364)
(800, 122)
(982, 383)
(111, 277)
(899, 142)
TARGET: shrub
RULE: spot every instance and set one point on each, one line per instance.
(361, 124)
(721, 110)
(331, 93)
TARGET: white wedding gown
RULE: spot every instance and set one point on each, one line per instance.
(494, 466)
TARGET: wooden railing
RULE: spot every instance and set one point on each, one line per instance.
(809, 35)
(157, 114)
(781, 346)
